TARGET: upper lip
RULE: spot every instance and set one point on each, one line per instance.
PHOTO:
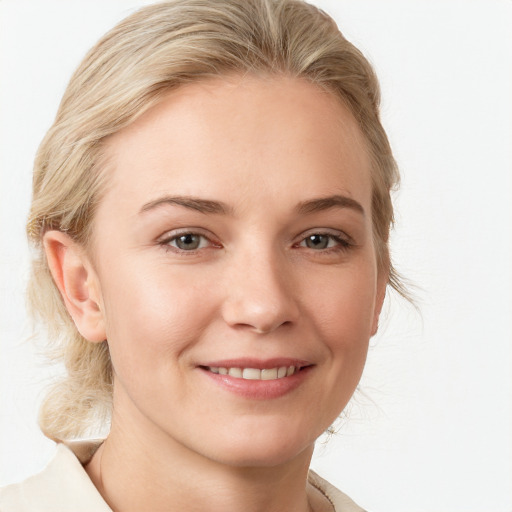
(260, 364)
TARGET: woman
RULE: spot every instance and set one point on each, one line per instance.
(211, 209)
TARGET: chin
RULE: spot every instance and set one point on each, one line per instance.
(262, 447)
(258, 458)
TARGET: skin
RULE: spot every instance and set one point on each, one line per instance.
(256, 286)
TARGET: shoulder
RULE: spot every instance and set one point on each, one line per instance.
(340, 501)
(62, 486)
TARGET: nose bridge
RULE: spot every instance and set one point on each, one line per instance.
(260, 291)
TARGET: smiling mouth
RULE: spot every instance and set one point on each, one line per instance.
(280, 372)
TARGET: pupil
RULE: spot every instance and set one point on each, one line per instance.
(188, 241)
(317, 241)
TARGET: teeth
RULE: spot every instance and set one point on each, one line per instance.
(251, 374)
(255, 373)
(269, 374)
(236, 372)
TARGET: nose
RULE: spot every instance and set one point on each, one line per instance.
(260, 294)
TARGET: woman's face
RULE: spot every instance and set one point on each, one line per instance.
(235, 237)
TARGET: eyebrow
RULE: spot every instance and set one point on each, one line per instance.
(324, 203)
(194, 203)
(218, 207)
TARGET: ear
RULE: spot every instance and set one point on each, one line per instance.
(77, 282)
(382, 283)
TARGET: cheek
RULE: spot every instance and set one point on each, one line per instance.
(152, 313)
(343, 312)
(345, 305)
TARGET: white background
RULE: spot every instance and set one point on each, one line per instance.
(431, 429)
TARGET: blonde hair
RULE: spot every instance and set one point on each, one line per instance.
(157, 49)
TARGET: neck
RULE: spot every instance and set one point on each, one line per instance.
(135, 471)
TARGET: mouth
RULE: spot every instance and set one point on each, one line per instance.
(256, 379)
(278, 372)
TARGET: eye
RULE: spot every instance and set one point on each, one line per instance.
(322, 241)
(187, 241)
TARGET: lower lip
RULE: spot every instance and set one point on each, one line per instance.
(259, 389)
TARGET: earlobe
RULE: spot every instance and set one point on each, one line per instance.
(77, 282)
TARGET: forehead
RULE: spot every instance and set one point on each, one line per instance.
(227, 137)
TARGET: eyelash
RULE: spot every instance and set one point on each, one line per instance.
(167, 240)
(341, 242)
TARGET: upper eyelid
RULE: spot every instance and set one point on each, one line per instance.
(174, 233)
(337, 233)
